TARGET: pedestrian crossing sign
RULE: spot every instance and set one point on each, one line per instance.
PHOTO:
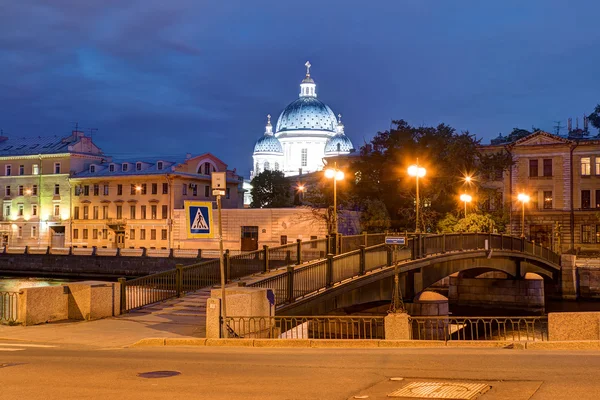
(199, 219)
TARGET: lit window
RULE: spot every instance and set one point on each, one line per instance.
(35, 169)
(585, 166)
(547, 200)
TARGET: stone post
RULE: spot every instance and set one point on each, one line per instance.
(397, 327)
(298, 251)
(123, 291)
(568, 276)
(200, 254)
(266, 259)
(213, 318)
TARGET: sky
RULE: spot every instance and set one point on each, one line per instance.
(154, 78)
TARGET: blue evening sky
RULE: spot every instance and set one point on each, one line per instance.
(162, 77)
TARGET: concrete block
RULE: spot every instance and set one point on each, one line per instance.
(412, 343)
(230, 342)
(39, 305)
(149, 342)
(479, 343)
(397, 327)
(213, 318)
(185, 342)
(282, 343)
(565, 345)
(344, 343)
(574, 326)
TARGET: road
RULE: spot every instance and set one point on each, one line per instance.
(83, 372)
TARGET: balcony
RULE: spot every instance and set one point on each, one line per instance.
(117, 224)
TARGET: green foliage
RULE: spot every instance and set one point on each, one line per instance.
(489, 164)
(447, 224)
(374, 216)
(472, 223)
(270, 189)
(595, 117)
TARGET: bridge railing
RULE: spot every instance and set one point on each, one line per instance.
(9, 307)
(310, 327)
(448, 328)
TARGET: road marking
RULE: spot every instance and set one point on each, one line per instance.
(1, 349)
(25, 345)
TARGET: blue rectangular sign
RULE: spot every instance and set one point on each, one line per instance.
(395, 240)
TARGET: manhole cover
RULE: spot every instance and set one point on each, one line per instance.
(158, 374)
(442, 390)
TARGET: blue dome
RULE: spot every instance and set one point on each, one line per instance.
(268, 144)
(306, 113)
(340, 143)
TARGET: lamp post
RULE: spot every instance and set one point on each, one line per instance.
(466, 198)
(337, 175)
(523, 198)
(417, 172)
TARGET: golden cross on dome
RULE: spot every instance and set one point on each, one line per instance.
(268, 118)
(308, 68)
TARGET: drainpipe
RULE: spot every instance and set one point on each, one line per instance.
(170, 212)
(572, 219)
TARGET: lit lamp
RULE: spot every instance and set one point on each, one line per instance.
(300, 188)
(28, 191)
(138, 188)
(523, 198)
(417, 172)
(337, 175)
(466, 198)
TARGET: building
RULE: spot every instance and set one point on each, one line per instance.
(307, 130)
(131, 204)
(34, 178)
(561, 175)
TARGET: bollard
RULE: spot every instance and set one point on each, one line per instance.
(122, 290)
(266, 259)
(178, 279)
(298, 251)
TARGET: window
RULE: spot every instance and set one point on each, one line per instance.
(34, 231)
(105, 212)
(119, 190)
(153, 211)
(132, 234)
(206, 191)
(547, 200)
(8, 170)
(119, 212)
(20, 232)
(163, 234)
(184, 190)
(143, 212)
(111, 167)
(92, 168)
(57, 189)
(276, 166)
(228, 193)
(86, 212)
(533, 168)
(585, 199)
(76, 212)
(21, 170)
(585, 166)
(132, 191)
(597, 233)
(57, 210)
(35, 169)
(95, 212)
(125, 167)
(132, 212)
(534, 200)
(106, 190)
(144, 188)
(195, 190)
(165, 188)
(304, 157)
(547, 167)
(20, 209)
(20, 190)
(86, 190)
(267, 166)
(96, 189)
(155, 188)
(34, 190)
(76, 234)
(142, 234)
(7, 211)
(597, 165)
(57, 168)
(34, 210)
(586, 233)
(7, 191)
(283, 239)
(598, 200)
(159, 165)
(94, 233)
(152, 234)
(207, 169)
(85, 234)
(138, 166)
(104, 233)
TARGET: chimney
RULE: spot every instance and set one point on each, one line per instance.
(570, 125)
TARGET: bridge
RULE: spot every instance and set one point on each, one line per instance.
(308, 280)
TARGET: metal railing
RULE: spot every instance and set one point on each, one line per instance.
(246, 264)
(313, 327)
(9, 307)
(448, 328)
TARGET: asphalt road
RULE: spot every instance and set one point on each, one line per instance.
(63, 372)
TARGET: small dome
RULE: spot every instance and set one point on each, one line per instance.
(307, 113)
(339, 144)
(268, 144)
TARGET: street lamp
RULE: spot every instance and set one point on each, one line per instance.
(523, 198)
(466, 198)
(417, 172)
(337, 175)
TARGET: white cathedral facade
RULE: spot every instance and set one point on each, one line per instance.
(306, 132)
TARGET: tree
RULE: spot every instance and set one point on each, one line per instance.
(594, 117)
(374, 216)
(270, 189)
(471, 223)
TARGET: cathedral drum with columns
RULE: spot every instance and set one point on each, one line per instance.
(306, 132)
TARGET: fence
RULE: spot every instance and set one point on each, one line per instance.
(9, 307)
(479, 328)
(313, 327)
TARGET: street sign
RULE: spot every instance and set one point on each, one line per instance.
(395, 240)
(218, 180)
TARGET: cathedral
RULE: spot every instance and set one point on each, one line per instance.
(306, 132)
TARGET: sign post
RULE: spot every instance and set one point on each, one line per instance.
(397, 305)
(219, 186)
